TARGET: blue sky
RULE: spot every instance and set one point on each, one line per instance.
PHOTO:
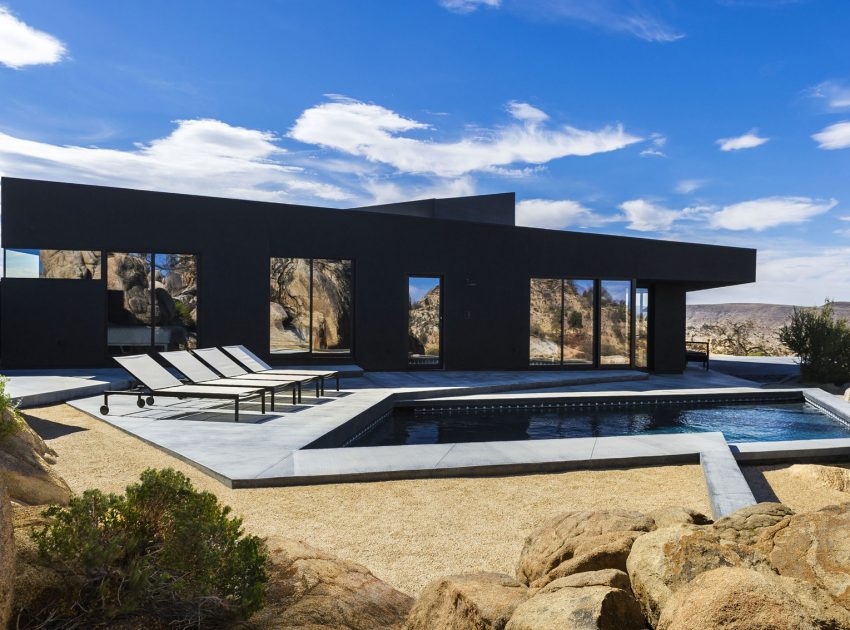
(718, 121)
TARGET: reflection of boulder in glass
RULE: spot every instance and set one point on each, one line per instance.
(424, 321)
(69, 264)
(331, 304)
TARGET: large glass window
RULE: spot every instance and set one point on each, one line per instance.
(424, 321)
(310, 306)
(614, 322)
(176, 300)
(332, 316)
(641, 328)
(152, 301)
(579, 309)
(63, 264)
(545, 325)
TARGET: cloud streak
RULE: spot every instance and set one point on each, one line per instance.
(557, 214)
(204, 156)
(749, 140)
(769, 212)
(835, 136)
(21, 45)
(381, 135)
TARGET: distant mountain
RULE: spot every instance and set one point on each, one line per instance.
(744, 328)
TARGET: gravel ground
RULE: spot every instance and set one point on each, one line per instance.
(775, 483)
(406, 532)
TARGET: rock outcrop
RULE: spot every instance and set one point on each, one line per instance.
(665, 560)
(741, 599)
(576, 542)
(814, 547)
(312, 589)
(7, 557)
(26, 467)
(475, 601)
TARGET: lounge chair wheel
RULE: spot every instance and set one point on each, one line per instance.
(140, 403)
(149, 400)
(104, 410)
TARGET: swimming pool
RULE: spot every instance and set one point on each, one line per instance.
(739, 422)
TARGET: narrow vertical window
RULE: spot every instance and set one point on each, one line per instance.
(579, 315)
(546, 312)
(614, 322)
(424, 321)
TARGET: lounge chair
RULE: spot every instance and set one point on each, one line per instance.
(697, 351)
(193, 369)
(226, 366)
(256, 365)
(156, 381)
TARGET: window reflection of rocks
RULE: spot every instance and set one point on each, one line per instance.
(310, 305)
(170, 305)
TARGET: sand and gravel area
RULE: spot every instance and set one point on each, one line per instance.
(406, 532)
(801, 494)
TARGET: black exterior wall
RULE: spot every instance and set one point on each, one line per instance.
(485, 266)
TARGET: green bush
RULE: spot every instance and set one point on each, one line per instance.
(163, 550)
(821, 341)
(10, 419)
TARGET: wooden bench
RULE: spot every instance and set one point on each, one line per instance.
(697, 351)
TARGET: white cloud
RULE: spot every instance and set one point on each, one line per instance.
(376, 133)
(467, 6)
(835, 93)
(21, 45)
(526, 112)
(658, 141)
(749, 140)
(383, 191)
(787, 276)
(206, 157)
(687, 186)
(557, 214)
(632, 17)
(645, 216)
(768, 212)
(835, 136)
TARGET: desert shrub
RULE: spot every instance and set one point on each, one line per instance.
(821, 341)
(10, 419)
(163, 550)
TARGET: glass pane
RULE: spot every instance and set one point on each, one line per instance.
(289, 305)
(176, 301)
(614, 297)
(545, 331)
(128, 290)
(642, 328)
(66, 264)
(332, 316)
(22, 263)
(423, 321)
(578, 321)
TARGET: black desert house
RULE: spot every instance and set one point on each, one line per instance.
(91, 272)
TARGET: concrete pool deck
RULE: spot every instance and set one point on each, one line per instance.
(269, 450)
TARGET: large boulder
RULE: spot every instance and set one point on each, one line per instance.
(26, 466)
(741, 599)
(675, 516)
(312, 589)
(578, 608)
(475, 601)
(575, 542)
(814, 547)
(7, 557)
(832, 477)
(667, 559)
(604, 577)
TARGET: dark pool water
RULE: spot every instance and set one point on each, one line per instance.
(738, 422)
